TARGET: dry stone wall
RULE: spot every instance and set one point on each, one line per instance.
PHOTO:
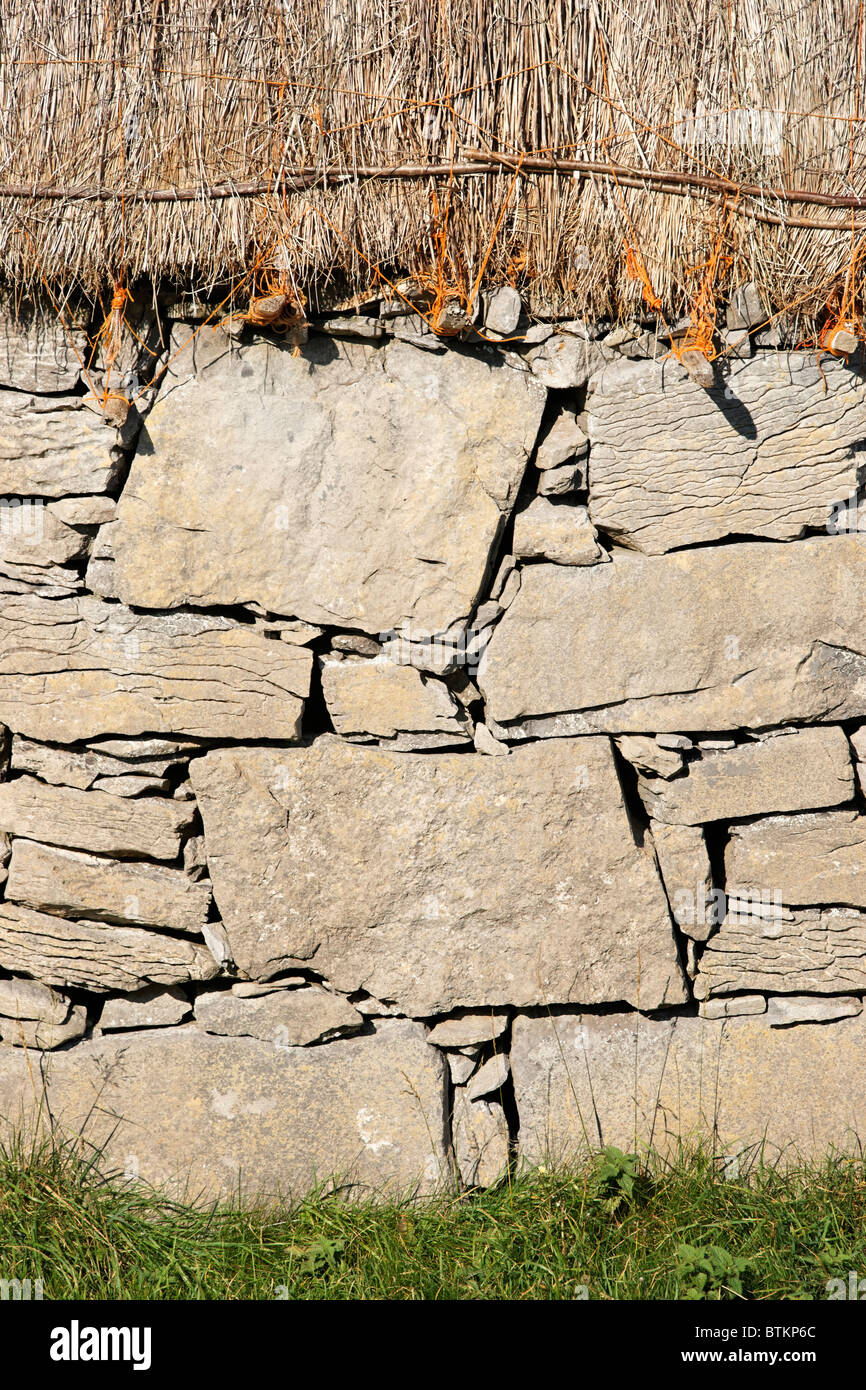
(420, 756)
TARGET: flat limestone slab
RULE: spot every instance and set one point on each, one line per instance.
(206, 1116)
(110, 890)
(287, 1017)
(350, 485)
(33, 537)
(77, 668)
(382, 699)
(149, 827)
(686, 872)
(791, 772)
(438, 882)
(810, 950)
(97, 956)
(54, 446)
(802, 860)
(744, 635)
(39, 353)
(766, 454)
(623, 1078)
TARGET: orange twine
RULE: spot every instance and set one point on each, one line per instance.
(636, 270)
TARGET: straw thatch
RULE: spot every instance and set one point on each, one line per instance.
(201, 142)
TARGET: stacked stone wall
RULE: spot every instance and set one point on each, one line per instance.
(424, 756)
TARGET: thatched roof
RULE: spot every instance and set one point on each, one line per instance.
(528, 140)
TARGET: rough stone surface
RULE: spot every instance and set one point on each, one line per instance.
(38, 353)
(649, 755)
(809, 950)
(204, 1116)
(734, 1007)
(33, 537)
(53, 446)
(479, 1134)
(782, 1013)
(364, 491)
(746, 308)
(684, 863)
(131, 785)
(566, 362)
(490, 1077)
(742, 635)
(502, 309)
(460, 1067)
(76, 768)
(330, 525)
(564, 441)
(807, 859)
(153, 1007)
(254, 989)
(767, 453)
(357, 326)
(94, 510)
(562, 534)
(31, 1000)
(466, 1029)
(485, 743)
(94, 821)
(356, 643)
(556, 482)
(285, 1017)
(42, 1035)
(96, 955)
(798, 771)
(619, 1079)
(110, 890)
(80, 668)
(438, 882)
(382, 699)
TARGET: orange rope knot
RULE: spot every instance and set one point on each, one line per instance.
(110, 334)
(265, 311)
(841, 337)
(276, 308)
(844, 330)
(636, 270)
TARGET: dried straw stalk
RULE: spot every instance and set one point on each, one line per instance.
(192, 143)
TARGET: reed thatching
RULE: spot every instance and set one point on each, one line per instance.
(334, 139)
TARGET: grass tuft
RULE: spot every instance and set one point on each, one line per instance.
(681, 1230)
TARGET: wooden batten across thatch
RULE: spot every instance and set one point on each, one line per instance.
(599, 154)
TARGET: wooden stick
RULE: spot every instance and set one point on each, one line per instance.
(477, 163)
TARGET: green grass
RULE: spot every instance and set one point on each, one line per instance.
(616, 1227)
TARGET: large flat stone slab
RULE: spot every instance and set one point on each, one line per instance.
(586, 1080)
(76, 668)
(804, 859)
(208, 1116)
(743, 635)
(438, 881)
(797, 771)
(810, 950)
(767, 453)
(350, 485)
